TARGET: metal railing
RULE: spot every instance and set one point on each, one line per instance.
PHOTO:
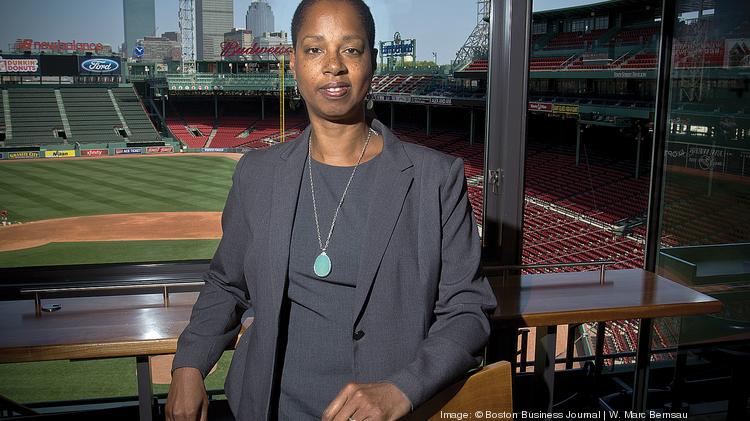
(503, 270)
(163, 286)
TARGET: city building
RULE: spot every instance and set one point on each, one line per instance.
(259, 17)
(172, 35)
(243, 37)
(273, 39)
(139, 22)
(160, 49)
(213, 18)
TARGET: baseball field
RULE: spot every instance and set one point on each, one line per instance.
(112, 210)
(106, 210)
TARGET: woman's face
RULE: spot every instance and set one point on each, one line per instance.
(332, 61)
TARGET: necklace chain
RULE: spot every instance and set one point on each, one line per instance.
(323, 247)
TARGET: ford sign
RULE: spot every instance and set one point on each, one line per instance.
(100, 65)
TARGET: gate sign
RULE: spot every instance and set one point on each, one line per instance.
(100, 65)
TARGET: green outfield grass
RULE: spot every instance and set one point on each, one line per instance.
(70, 380)
(46, 189)
(40, 190)
(109, 252)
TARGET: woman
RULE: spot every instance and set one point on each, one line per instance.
(356, 253)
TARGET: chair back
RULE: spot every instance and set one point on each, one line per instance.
(489, 389)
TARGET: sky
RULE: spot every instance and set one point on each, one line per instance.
(439, 26)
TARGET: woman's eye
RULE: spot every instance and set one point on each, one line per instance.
(313, 50)
(352, 51)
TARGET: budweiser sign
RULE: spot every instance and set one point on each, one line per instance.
(233, 49)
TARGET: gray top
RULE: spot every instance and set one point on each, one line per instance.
(318, 358)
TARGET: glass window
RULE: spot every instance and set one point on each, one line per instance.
(539, 28)
(589, 138)
(602, 22)
(705, 229)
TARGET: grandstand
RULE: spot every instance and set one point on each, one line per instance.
(413, 84)
(68, 115)
(586, 193)
(237, 125)
(138, 125)
(35, 117)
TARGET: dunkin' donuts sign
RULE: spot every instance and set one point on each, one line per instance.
(19, 65)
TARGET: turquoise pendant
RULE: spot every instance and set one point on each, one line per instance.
(322, 265)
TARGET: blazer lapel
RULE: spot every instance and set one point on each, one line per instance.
(286, 185)
(392, 182)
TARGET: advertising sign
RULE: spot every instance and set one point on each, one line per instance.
(540, 106)
(708, 158)
(94, 152)
(629, 74)
(58, 46)
(159, 149)
(434, 100)
(738, 52)
(22, 64)
(233, 49)
(2, 155)
(405, 48)
(59, 154)
(99, 66)
(690, 54)
(405, 98)
(564, 109)
(128, 151)
(23, 155)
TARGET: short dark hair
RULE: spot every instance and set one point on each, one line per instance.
(362, 9)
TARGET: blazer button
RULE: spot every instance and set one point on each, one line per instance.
(358, 335)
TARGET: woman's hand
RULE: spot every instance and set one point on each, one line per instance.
(187, 399)
(369, 401)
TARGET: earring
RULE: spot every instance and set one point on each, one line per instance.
(369, 103)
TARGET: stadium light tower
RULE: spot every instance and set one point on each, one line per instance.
(477, 45)
(187, 34)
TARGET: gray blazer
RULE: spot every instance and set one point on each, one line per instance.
(419, 318)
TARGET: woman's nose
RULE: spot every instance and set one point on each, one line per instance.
(334, 64)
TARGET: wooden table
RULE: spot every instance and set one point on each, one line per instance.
(97, 327)
(140, 325)
(548, 300)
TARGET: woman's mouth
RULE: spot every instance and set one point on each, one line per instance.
(335, 91)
